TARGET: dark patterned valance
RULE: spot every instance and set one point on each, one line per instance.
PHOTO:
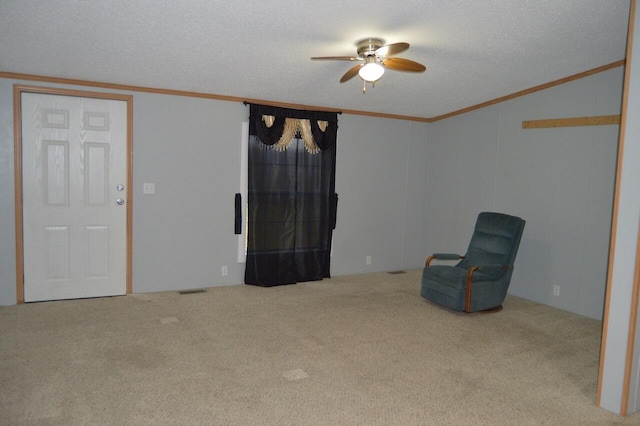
(277, 127)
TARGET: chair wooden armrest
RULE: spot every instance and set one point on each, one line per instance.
(467, 305)
(443, 256)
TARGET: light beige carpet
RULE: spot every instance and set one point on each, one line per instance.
(354, 350)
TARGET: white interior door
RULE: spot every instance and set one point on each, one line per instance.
(73, 182)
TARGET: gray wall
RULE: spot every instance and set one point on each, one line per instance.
(622, 303)
(7, 205)
(380, 175)
(406, 189)
(183, 234)
(190, 149)
(560, 180)
(630, 199)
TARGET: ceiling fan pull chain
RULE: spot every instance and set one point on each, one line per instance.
(364, 87)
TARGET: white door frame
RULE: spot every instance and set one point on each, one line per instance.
(18, 89)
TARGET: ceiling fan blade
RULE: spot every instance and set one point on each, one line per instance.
(335, 58)
(403, 65)
(351, 73)
(392, 49)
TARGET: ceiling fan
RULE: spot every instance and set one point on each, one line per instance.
(374, 55)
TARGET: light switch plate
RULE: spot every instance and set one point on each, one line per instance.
(148, 188)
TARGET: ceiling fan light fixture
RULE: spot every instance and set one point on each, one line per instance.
(371, 71)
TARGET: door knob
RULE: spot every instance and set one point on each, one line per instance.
(120, 201)
(120, 187)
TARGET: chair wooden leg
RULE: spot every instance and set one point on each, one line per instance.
(467, 304)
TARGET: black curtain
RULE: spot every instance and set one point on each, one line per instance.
(291, 198)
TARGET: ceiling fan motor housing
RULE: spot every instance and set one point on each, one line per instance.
(368, 47)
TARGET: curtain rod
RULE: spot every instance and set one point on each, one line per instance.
(292, 106)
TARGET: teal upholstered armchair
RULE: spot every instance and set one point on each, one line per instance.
(479, 281)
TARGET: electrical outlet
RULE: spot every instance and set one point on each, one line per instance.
(368, 260)
(556, 290)
(225, 271)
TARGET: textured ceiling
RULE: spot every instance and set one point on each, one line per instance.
(475, 51)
